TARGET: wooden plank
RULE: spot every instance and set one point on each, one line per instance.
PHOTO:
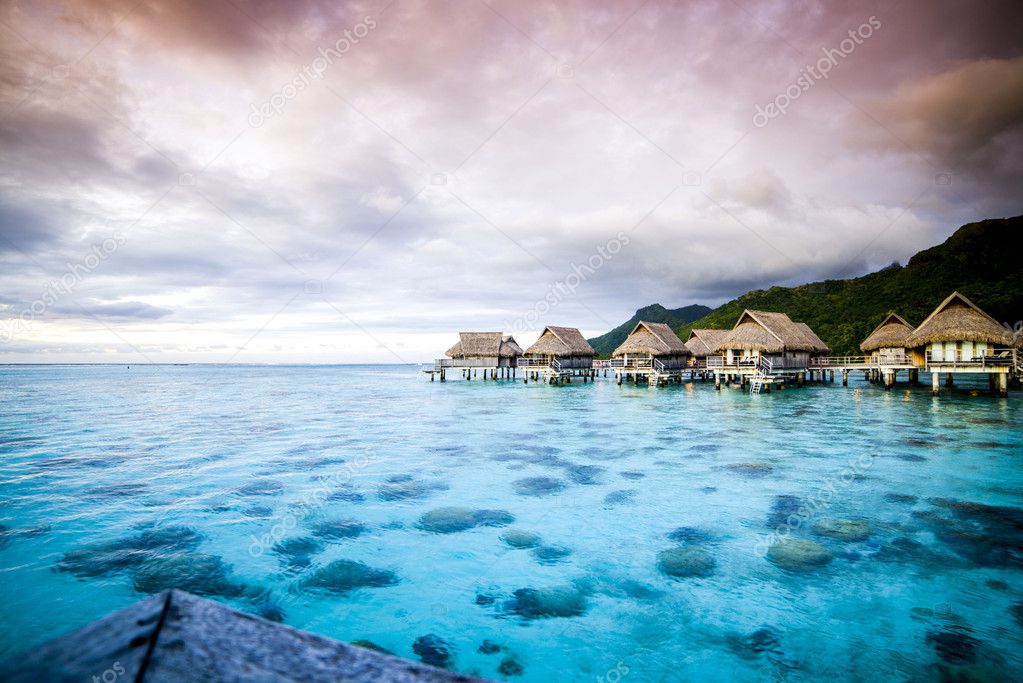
(187, 639)
(111, 648)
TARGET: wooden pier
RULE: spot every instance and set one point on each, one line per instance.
(765, 350)
(553, 371)
(470, 369)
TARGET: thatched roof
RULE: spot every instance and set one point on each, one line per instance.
(890, 334)
(818, 344)
(562, 341)
(510, 347)
(770, 332)
(657, 339)
(958, 319)
(484, 345)
(703, 342)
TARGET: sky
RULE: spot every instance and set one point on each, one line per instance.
(335, 182)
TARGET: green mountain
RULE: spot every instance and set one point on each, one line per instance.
(982, 260)
(606, 343)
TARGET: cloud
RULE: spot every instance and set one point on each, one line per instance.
(327, 221)
(119, 310)
(968, 117)
(22, 230)
(231, 28)
(382, 201)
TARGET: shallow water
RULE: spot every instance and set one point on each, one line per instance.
(287, 478)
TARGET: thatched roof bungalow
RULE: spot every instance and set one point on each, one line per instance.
(485, 350)
(653, 341)
(567, 345)
(703, 342)
(888, 340)
(818, 346)
(771, 335)
(957, 330)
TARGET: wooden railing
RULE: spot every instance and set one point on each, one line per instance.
(722, 362)
(840, 361)
(467, 363)
(995, 358)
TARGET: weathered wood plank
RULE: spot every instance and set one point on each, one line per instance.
(176, 637)
(111, 648)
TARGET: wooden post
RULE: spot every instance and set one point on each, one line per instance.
(845, 378)
(1003, 384)
(889, 380)
(948, 380)
(442, 371)
(934, 383)
(717, 381)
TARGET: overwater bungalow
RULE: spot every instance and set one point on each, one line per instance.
(652, 351)
(493, 352)
(559, 353)
(567, 345)
(819, 348)
(886, 345)
(702, 344)
(958, 337)
(773, 337)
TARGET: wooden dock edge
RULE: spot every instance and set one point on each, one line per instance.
(176, 637)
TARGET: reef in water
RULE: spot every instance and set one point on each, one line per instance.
(343, 576)
(541, 603)
(449, 520)
(538, 486)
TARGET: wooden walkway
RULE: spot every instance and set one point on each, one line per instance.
(176, 637)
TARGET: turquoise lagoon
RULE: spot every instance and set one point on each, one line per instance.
(299, 493)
